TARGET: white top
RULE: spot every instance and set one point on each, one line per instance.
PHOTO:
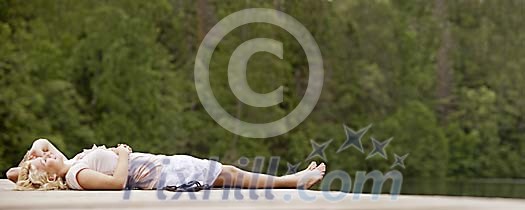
(98, 158)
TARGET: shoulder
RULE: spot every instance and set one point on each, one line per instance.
(71, 175)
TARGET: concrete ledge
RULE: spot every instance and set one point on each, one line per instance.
(216, 199)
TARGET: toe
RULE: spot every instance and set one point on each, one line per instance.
(312, 165)
(321, 167)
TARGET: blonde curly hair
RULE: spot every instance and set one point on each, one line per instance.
(29, 178)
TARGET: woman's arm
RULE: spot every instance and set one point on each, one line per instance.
(12, 174)
(41, 146)
(39, 149)
(92, 180)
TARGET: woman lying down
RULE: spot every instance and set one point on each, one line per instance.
(44, 167)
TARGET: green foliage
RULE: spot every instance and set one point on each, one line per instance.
(85, 72)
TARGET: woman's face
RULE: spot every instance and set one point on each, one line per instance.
(49, 163)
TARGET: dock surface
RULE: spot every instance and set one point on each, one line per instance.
(237, 199)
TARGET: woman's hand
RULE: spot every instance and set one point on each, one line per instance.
(34, 153)
(39, 147)
(122, 149)
(43, 148)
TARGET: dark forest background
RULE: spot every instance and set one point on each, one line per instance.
(446, 79)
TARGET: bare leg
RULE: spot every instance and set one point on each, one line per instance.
(232, 176)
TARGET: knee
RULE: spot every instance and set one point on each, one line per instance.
(230, 170)
(228, 176)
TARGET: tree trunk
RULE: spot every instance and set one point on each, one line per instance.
(444, 71)
(205, 18)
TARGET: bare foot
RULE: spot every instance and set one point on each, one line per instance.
(312, 177)
(308, 177)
